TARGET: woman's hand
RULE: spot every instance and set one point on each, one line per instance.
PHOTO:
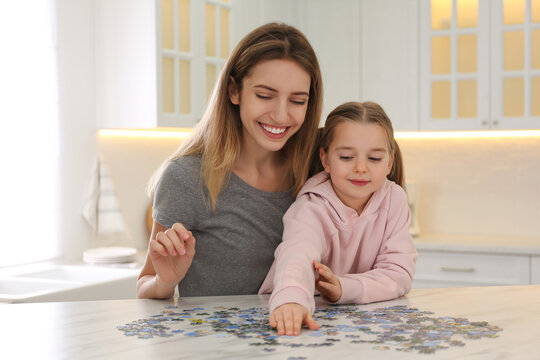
(288, 318)
(327, 283)
(171, 252)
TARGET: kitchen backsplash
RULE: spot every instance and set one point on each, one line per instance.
(477, 186)
(466, 186)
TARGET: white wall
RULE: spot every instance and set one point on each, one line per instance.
(77, 101)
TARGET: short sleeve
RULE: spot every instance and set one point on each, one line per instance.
(179, 195)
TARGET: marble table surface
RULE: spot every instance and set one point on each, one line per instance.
(89, 330)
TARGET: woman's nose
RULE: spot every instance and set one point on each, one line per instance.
(281, 112)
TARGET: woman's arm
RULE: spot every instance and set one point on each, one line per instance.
(169, 256)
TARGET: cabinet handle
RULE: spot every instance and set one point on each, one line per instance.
(456, 269)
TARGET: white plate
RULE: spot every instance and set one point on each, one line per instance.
(107, 255)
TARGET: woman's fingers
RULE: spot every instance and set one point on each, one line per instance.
(156, 247)
(174, 241)
(190, 245)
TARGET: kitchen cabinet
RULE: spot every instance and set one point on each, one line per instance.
(479, 64)
(453, 269)
(535, 269)
(333, 29)
(124, 50)
(467, 74)
(461, 260)
(193, 41)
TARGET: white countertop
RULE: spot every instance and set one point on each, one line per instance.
(479, 243)
(82, 330)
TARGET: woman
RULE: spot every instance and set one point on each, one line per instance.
(228, 186)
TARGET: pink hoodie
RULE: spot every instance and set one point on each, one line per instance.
(372, 254)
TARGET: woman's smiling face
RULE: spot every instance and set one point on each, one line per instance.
(273, 103)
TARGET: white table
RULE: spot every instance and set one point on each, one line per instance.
(84, 330)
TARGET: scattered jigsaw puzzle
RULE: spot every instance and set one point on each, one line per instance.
(396, 327)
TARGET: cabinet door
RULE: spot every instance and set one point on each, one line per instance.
(454, 65)
(515, 64)
(535, 269)
(193, 43)
(479, 64)
(449, 269)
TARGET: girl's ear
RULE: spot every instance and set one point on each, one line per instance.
(234, 96)
(324, 160)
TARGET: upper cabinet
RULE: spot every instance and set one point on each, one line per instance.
(431, 64)
(193, 43)
(479, 64)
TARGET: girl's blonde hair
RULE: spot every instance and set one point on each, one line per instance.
(365, 113)
(218, 135)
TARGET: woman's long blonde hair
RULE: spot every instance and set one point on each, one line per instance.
(218, 135)
(365, 113)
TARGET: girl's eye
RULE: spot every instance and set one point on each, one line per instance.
(345, 158)
(375, 159)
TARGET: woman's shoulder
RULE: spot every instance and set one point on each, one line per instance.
(184, 166)
(182, 171)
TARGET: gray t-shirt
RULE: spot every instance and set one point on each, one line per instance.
(235, 244)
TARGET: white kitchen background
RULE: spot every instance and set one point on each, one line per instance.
(109, 63)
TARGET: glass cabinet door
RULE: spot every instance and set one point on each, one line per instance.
(479, 64)
(516, 63)
(193, 43)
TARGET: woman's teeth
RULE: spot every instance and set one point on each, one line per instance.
(274, 130)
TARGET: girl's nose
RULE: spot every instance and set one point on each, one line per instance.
(360, 166)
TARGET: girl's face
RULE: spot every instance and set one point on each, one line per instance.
(358, 161)
(273, 103)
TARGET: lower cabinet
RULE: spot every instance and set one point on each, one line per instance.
(454, 269)
(535, 269)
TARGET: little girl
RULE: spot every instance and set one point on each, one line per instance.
(353, 217)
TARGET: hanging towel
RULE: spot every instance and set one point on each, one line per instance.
(101, 208)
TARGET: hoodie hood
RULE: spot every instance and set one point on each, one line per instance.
(320, 186)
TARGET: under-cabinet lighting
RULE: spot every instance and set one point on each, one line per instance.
(465, 134)
(183, 133)
(179, 133)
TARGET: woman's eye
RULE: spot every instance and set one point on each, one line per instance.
(298, 102)
(263, 96)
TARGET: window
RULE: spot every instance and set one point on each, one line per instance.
(30, 133)
(480, 64)
(193, 40)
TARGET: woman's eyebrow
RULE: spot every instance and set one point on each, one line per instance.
(266, 87)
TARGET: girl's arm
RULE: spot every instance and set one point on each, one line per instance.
(292, 273)
(169, 256)
(392, 273)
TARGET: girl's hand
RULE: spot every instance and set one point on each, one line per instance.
(171, 252)
(327, 283)
(288, 318)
